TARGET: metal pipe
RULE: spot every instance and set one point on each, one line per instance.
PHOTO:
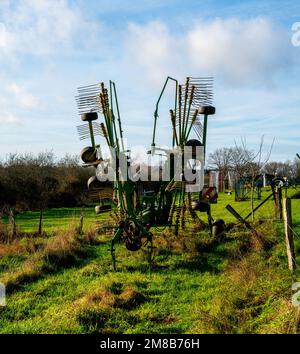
(204, 134)
(92, 134)
(188, 113)
(184, 109)
(119, 117)
(192, 123)
(179, 111)
(173, 120)
(156, 109)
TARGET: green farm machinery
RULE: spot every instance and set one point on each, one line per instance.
(176, 193)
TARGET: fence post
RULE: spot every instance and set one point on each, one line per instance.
(278, 202)
(80, 226)
(13, 226)
(289, 240)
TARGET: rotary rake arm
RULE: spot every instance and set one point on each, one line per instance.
(157, 106)
(193, 105)
(93, 100)
(192, 99)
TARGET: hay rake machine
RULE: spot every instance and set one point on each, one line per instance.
(137, 213)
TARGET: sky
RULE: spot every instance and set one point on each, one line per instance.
(48, 48)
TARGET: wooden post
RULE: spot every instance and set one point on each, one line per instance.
(40, 231)
(278, 202)
(13, 226)
(80, 226)
(289, 240)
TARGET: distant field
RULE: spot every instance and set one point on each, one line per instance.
(55, 219)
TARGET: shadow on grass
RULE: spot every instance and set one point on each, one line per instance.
(204, 262)
(80, 259)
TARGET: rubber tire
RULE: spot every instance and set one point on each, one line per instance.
(207, 110)
(218, 229)
(88, 154)
(99, 209)
(88, 117)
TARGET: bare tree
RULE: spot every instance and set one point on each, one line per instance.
(221, 159)
(256, 162)
(240, 160)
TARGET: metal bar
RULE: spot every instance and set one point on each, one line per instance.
(188, 113)
(255, 209)
(204, 134)
(192, 123)
(119, 117)
(184, 109)
(156, 108)
(173, 120)
(113, 117)
(179, 111)
(92, 135)
(238, 216)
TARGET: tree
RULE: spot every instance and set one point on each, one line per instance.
(221, 159)
(255, 164)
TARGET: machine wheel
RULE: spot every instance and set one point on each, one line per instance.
(207, 110)
(88, 154)
(88, 117)
(218, 229)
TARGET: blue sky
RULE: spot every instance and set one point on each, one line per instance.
(50, 47)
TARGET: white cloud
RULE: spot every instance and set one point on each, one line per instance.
(41, 27)
(22, 97)
(238, 51)
(8, 118)
(150, 46)
(3, 36)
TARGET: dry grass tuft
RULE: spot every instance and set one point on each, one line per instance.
(190, 243)
(100, 312)
(250, 295)
(61, 250)
(25, 246)
(30, 271)
(130, 299)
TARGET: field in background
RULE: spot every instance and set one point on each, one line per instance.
(65, 283)
(54, 219)
(61, 218)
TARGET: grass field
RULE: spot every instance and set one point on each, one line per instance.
(65, 284)
(54, 219)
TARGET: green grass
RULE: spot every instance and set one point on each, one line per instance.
(49, 304)
(197, 290)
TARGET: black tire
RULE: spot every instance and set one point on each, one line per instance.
(278, 182)
(88, 154)
(218, 229)
(193, 143)
(207, 110)
(88, 117)
(99, 209)
(201, 206)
